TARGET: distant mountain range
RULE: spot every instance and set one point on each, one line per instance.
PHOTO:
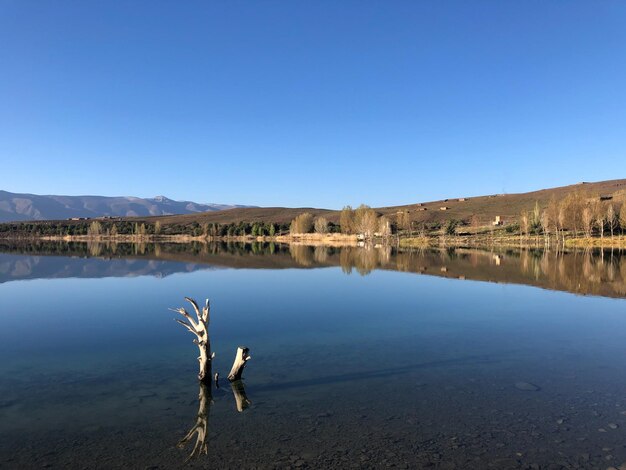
(17, 207)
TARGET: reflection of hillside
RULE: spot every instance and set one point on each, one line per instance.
(579, 272)
(582, 272)
(15, 267)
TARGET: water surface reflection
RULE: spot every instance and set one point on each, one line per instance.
(594, 272)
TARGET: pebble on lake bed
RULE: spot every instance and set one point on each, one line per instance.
(527, 386)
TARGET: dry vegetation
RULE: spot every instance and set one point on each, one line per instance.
(481, 209)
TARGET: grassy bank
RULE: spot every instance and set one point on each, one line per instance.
(510, 241)
(594, 242)
(321, 239)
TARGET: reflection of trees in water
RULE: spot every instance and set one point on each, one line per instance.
(586, 272)
(610, 271)
(98, 249)
(544, 263)
(95, 248)
(364, 259)
(562, 267)
(320, 254)
(384, 253)
(302, 254)
(622, 270)
(589, 272)
(344, 261)
(110, 248)
(525, 261)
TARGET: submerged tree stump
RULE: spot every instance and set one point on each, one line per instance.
(241, 359)
(200, 328)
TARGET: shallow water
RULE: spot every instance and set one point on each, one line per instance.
(385, 369)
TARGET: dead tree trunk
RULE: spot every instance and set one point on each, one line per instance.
(201, 428)
(200, 328)
(241, 359)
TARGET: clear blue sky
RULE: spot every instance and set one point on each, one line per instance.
(319, 103)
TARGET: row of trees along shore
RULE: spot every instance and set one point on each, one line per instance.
(576, 214)
(362, 221)
(110, 228)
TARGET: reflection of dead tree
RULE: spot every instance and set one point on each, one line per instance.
(236, 384)
(201, 428)
(200, 328)
(241, 399)
(241, 359)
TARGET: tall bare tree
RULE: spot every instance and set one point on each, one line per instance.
(599, 217)
(302, 223)
(536, 216)
(404, 221)
(524, 224)
(574, 205)
(384, 227)
(622, 218)
(95, 229)
(561, 217)
(365, 221)
(346, 220)
(544, 219)
(587, 220)
(553, 216)
(321, 225)
(611, 218)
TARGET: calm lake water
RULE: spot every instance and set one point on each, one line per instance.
(361, 358)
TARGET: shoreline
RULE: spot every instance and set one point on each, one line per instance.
(339, 240)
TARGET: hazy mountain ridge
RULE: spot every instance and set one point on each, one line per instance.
(18, 206)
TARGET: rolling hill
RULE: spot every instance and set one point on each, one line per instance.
(485, 208)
